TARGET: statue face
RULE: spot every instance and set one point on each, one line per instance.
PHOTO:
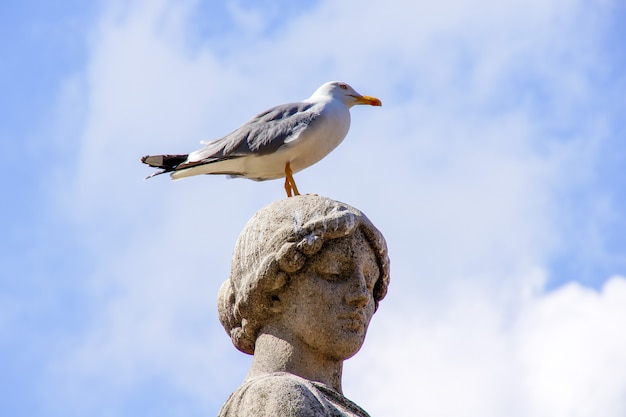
(329, 303)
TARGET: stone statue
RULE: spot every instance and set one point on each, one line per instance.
(307, 276)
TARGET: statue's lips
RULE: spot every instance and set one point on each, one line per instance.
(355, 321)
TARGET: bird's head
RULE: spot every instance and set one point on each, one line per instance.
(344, 92)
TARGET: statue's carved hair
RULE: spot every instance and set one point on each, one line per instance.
(277, 242)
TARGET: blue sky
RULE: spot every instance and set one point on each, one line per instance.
(494, 169)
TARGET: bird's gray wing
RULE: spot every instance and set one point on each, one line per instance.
(263, 134)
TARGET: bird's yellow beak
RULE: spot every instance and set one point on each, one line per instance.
(372, 101)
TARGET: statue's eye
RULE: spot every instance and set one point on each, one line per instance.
(331, 276)
(343, 86)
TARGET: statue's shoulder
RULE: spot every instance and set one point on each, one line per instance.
(284, 394)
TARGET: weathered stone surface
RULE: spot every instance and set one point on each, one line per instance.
(306, 278)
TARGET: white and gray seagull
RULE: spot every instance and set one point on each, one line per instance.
(276, 143)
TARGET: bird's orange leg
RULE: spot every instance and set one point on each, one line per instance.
(290, 183)
(287, 187)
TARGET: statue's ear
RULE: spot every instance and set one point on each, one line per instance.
(276, 302)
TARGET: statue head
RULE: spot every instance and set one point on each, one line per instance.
(275, 247)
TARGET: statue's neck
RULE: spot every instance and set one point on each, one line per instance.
(275, 352)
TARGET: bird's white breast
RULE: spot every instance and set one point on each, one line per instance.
(322, 136)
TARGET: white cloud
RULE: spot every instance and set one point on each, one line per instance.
(572, 346)
(555, 354)
(463, 176)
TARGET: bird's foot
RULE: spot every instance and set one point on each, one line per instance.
(290, 183)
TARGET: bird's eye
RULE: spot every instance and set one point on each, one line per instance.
(343, 86)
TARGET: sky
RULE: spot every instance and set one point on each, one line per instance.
(494, 168)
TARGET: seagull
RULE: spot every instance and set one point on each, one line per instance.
(276, 143)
